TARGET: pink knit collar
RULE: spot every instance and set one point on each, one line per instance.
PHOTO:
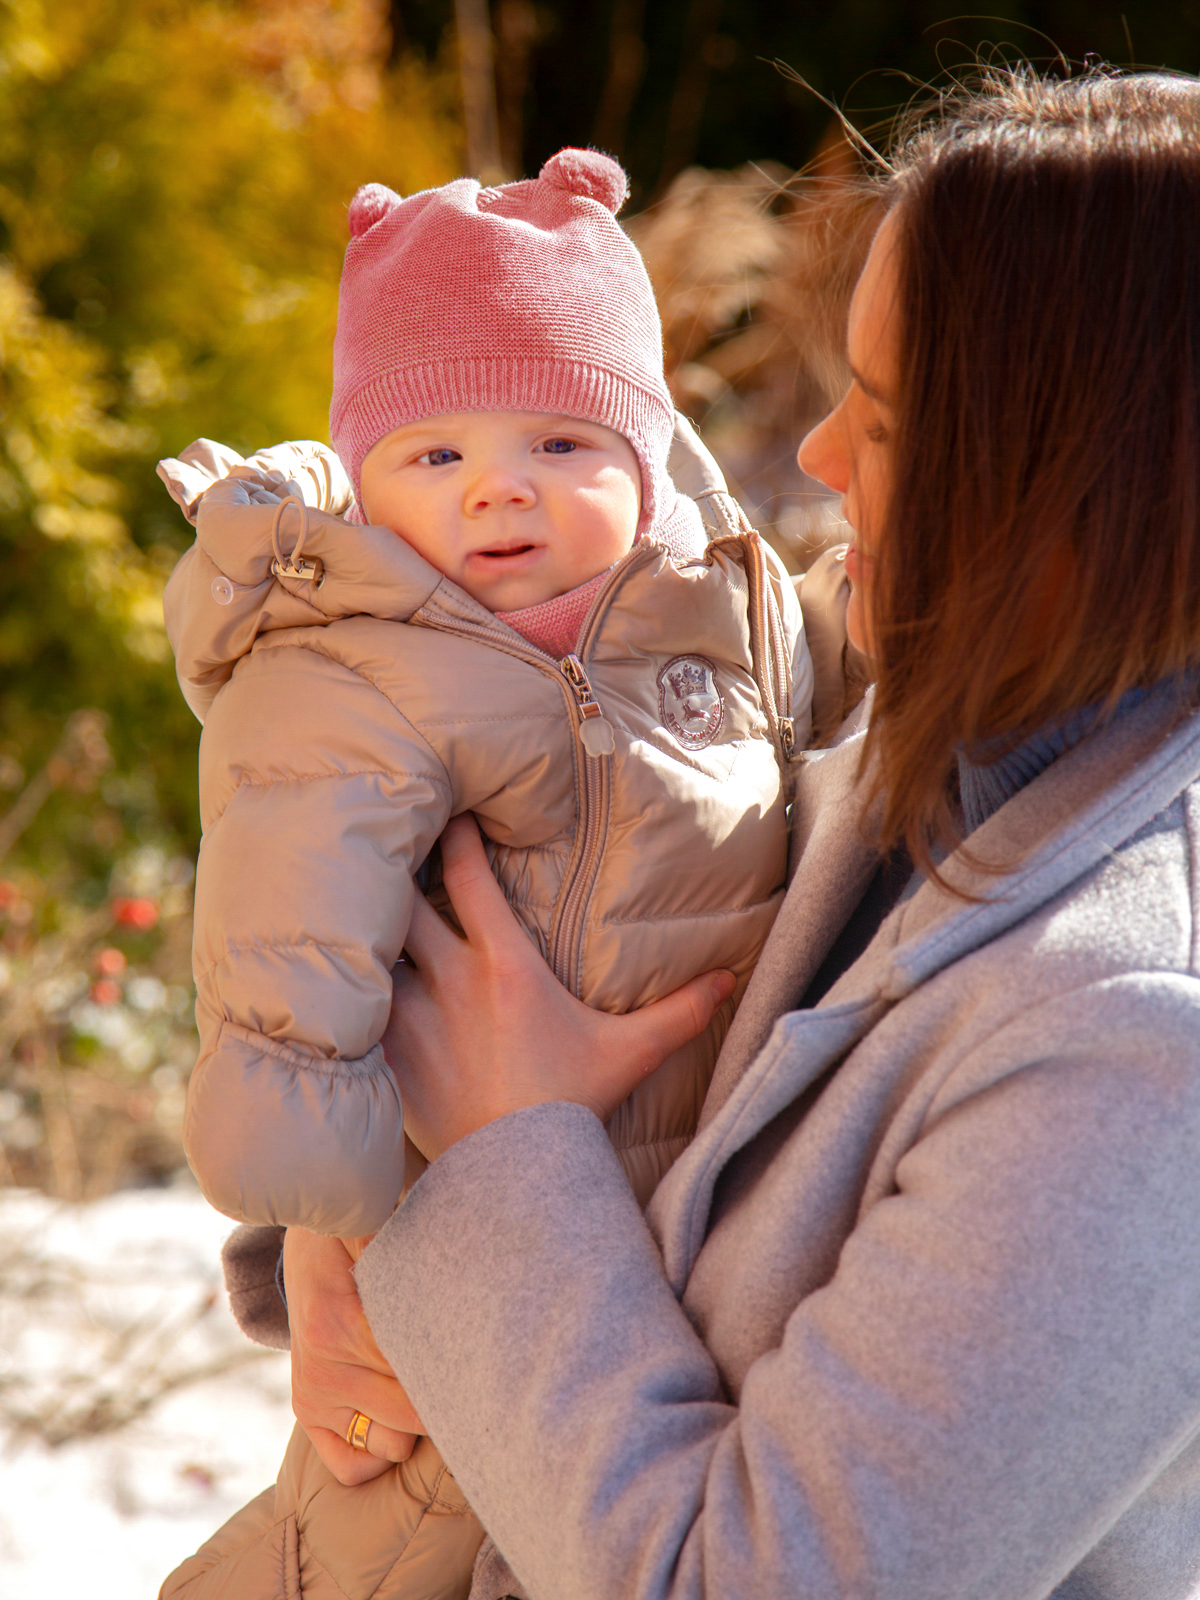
(553, 625)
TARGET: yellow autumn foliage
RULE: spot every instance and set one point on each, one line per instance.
(173, 188)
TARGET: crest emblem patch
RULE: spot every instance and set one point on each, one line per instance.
(692, 710)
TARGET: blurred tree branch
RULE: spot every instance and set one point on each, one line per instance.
(476, 61)
(79, 758)
(517, 31)
(691, 86)
(626, 65)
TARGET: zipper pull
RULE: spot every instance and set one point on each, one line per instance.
(595, 730)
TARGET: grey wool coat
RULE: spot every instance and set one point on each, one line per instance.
(917, 1314)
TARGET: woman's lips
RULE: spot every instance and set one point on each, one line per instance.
(853, 565)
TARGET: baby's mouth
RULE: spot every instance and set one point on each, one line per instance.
(505, 552)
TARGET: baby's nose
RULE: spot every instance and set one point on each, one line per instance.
(497, 488)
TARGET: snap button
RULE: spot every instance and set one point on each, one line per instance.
(222, 591)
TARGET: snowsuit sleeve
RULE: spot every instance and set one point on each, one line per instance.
(319, 801)
(320, 804)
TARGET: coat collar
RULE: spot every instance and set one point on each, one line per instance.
(1053, 832)
(1056, 829)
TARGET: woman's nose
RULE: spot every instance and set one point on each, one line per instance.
(823, 454)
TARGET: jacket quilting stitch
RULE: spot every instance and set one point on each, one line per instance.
(687, 916)
(248, 782)
(254, 946)
(292, 1055)
(465, 720)
(323, 1570)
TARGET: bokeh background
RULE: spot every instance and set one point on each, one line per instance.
(173, 184)
(174, 176)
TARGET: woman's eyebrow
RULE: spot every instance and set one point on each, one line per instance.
(871, 390)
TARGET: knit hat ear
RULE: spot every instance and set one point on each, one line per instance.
(590, 174)
(369, 206)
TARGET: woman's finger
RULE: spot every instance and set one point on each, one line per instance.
(644, 1039)
(354, 1389)
(430, 941)
(677, 1018)
(484, 914)
(349, 1464)
(350, 1467)
(386, 1444)
(327, 1422)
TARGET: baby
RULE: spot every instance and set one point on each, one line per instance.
(519, 616)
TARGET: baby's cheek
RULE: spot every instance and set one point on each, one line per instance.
(597, 534)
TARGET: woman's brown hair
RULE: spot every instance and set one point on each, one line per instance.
(1042, 547)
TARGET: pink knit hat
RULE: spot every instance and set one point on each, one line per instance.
(528, 297)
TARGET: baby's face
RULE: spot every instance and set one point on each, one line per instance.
(514, 506)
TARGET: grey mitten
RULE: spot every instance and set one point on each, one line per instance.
(250, 1259)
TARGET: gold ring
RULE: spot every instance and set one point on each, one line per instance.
(356, 1433)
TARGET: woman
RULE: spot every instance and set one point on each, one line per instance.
(916, 1314)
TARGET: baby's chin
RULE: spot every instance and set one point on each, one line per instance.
(522, 593)
(502, 598)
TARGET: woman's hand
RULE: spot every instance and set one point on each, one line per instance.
(480, 1026)
(336, 1365)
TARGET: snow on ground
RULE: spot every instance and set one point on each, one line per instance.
(134, 1417)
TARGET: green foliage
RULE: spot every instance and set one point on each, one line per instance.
(173, 185)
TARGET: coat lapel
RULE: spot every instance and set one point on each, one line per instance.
(802, 1044)
(835, 865)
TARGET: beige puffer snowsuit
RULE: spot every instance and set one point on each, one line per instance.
(344, 725)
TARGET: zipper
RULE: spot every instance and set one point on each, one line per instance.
(595, 788)
(768, 649)
(595, 730)
(592, 758)
(595, 735)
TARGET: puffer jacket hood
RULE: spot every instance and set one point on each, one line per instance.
(224, 594)
(355, 699)
(227, 595)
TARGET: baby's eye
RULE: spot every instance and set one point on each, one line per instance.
(558, 447)
(440, 457)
